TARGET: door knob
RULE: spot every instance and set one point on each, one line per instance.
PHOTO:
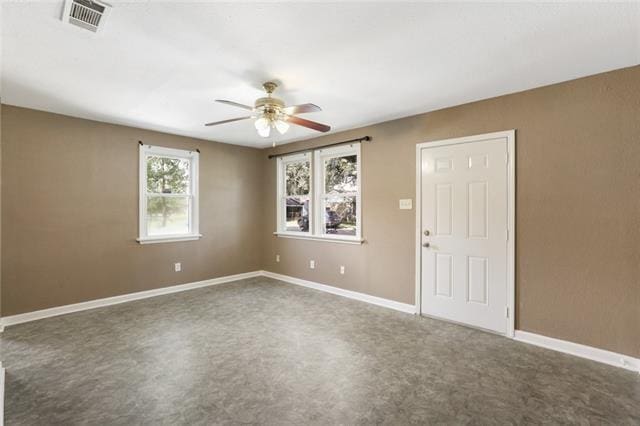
(425, 244)
(427, 233)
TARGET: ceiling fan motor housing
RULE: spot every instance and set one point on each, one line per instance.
(270, 107)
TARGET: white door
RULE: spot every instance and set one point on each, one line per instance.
(464, 236)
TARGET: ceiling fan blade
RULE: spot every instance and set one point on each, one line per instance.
(308, 123)
(231, 120)
(235, 104)
(301, 109)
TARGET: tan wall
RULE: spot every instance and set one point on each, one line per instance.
(70, 212)
(578, 208)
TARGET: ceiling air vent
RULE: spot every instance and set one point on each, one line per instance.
(87, 14)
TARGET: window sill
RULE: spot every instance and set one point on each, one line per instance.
(324, 238)
(168, 239)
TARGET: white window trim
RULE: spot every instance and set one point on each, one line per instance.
(320, 156)
(193, 157)
(316, 219)
(282, 164)
(325, 238)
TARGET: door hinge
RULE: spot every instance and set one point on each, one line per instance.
(506, 311)
(506, 158)
(506, 234)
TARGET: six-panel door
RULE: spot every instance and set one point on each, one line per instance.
(464, 233)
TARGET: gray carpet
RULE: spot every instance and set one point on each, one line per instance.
(260, 351)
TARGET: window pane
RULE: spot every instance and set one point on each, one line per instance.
(297, 215)
(167, 175)
(340, 215)
(341, 174)
(167, 215)
(297, 180)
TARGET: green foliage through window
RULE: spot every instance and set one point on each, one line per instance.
(167, 175)
(167, 214)
(297, 178)
(341, 174)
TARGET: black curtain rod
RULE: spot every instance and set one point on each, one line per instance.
(197, 149)
(364, 138)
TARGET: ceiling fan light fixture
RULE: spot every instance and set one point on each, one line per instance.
(282, 126)
(264, 131)
(262, 123)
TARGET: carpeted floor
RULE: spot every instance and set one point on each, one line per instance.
(260, 351)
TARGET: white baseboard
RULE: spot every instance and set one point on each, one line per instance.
(1, 395)
(582, 351)
(98, 303)
(391, 304)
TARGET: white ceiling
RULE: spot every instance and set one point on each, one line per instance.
(159, 65)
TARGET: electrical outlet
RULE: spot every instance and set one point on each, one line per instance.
(312, 264)
(177, 267)
(342, 269)
(277, 258)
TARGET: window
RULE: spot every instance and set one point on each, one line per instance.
(296, 193)
(319, 194)
(168, 195)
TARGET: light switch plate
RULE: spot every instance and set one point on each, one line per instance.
(406, 204)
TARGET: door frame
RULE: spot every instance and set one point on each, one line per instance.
(510, 135)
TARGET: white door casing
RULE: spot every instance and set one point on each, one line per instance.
(465, 200)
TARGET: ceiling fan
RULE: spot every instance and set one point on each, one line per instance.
(271, 112)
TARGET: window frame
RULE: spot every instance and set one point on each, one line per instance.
(193, 157)
(321, 155)
(282, 194)
(317, 157)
